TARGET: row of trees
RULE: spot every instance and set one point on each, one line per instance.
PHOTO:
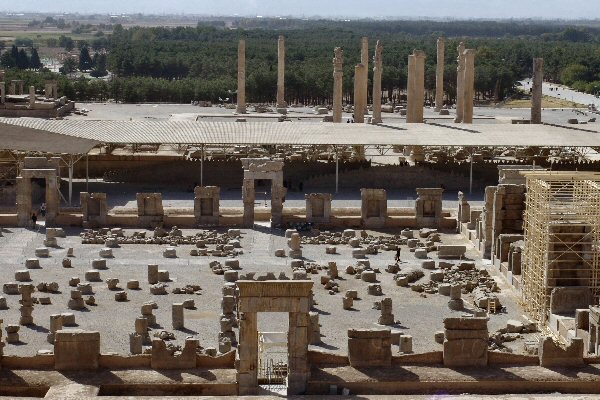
(20, 58)
(211, 54)
(95, 65)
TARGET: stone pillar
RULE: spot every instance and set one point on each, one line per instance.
(364, 60)
(281, 73)
(12, 87)
(278, 192)
(460, 75)
(377, 71)
(359, 93)
(177, 315)
(31, 96)
(75, 349)
(298, 367)
(52, 200)
(241, 86)
(416, 87)
(20, 86)
(439, 75)
(469, 86)
(338, 76)
(248, 197)
(536, 90)
(2, 92)
(23, 201)
(248, 350)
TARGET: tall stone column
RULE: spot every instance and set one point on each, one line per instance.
(281, 73)
(469, 86)
(364, 60)
(2, 92)
(460, 76)
(24, 205)
(338, 89)
(247, 375)
(241, 86)
(298, 339)
(359, 93)
(248, 198)
(416, 87)
(52, 200)
(536, 90)
(31, 96)
(439, 75)
(377, 71)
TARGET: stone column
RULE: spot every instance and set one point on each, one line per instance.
(31, 96)
(460, 75)
(338, 76)
(377, 71)
(247, 376)
(52, 200)
(278, 192)
(248, 197)
(241, 86)
(12, 87)
(364, 60)
(536, 90)
(2, 92)
(281, 73)
(359, 93)
(416, 87)
(298, 370)
(469, 86)
(439, 75)
(23, 200)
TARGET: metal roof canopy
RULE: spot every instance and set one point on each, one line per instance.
(23, 138)
(78, 136)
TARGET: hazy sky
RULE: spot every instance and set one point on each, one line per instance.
(566, 9)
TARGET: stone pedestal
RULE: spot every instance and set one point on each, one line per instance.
(94, 209)
(466, 342)
(416, 87)
(76, 349)
(318, 207)
(150, 209)
(206, 204)
(373, 209)
(428, 207)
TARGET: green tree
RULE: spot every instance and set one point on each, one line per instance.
(69, 66)
(574, 73)
(35, 62)
(85, 61)
(22, 59)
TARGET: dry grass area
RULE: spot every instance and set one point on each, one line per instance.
(547, 102)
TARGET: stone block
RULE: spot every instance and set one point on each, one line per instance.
(10, 288)
(68, 319)
(99, 264)
(22, 276)
(368, 276)
(32, 263)
(163, 275)
(106, 252)
(76, 350)
(230, 276)
(437, 275)
(451, 251)
(347, 303)
(280, 253)
(553, 354)
(85, 288)
(466, 353)
(406, 344)
(92, 276)
(121, 296)
(428, 264)
(232, 263)
(170, 252)
(359, 252)
(330, 250)
(369, 348)
(42, 252)
(152, 274)
(133, 284)
(465, 323)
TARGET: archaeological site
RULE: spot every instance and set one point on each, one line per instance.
(353, 248)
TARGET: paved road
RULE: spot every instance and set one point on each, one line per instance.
(563, 92)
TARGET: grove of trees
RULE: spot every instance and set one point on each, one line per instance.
(200, 63)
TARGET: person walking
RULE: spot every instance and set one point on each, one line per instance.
(397, 258)
(43, 210)
(34, 220)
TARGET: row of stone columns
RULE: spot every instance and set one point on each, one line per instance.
(465, 84)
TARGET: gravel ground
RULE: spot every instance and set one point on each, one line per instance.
(417, 316)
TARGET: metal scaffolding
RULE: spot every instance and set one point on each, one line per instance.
(562, 237)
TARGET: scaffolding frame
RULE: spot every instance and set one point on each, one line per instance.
(562, 237)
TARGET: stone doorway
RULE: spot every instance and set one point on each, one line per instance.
(292, 297)
(44, 172)
(259, 169)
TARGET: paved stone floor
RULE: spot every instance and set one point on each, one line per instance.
(417, 316)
